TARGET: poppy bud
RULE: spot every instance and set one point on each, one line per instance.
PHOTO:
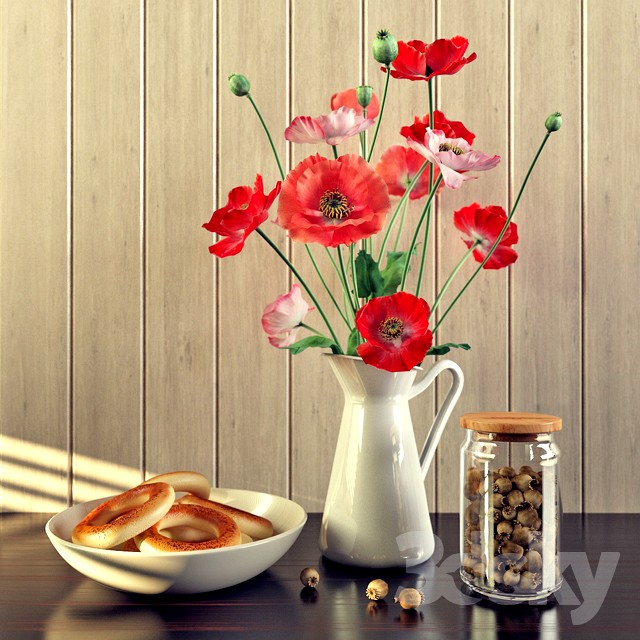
(364, 93)
(385, 48)
(553, 122)
(239, 84)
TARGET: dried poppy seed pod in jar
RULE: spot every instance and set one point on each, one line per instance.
(515, 520)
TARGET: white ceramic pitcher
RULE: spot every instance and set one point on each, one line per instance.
(376, 512)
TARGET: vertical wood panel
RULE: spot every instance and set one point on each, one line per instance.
(405, 99)
(327, 59)
(179, 196)
(612, 241)
(253, 445)
(546, 294)
(106, 246)
(476, 95)
(33, 256)
(196, 327)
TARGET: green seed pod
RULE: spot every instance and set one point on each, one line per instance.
(364, 93)
(385, 47)
(239, 84)
(553, 122)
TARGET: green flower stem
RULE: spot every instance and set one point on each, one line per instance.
(302, 282)
(363, 137)
(335, 151)
(384, 100)
(453, 274)
(352, 260)
(309, 328)
(402, 200)
(326, 287)
(423, 258)
(425, 244)
(401, 226)
(499, 238)
(266, 129)
(345, 280)
(415, 234)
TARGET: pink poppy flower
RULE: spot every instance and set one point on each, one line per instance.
(333, 128)
(396, 330)
(398, 166)
(452, 155)
(333, 202)
(282, 318)
(246, 209)
(349, 99)
(482, 226)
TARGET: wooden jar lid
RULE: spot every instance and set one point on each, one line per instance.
(511, 422)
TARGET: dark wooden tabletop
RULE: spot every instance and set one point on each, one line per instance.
(42, 597)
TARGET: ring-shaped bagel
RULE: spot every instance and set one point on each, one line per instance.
(224, 531)
(124, 516)
(188, 481)
(250, 524)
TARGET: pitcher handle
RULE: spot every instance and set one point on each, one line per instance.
(443, 414)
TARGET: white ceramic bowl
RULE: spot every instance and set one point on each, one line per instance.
(188, 571)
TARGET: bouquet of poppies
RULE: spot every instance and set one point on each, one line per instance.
(342, 203)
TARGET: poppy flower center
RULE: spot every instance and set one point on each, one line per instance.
(391, 328)
(334, 205)
(446, 146)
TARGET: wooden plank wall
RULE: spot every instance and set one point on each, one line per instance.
(125, 350)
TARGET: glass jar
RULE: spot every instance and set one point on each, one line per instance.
(509, 505)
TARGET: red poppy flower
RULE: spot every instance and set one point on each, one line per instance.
(450, 128)
(396, 330)
(245, 211)
(348, 98)
(398, 166)
(418, 60)
(333, 202)
(482, 226)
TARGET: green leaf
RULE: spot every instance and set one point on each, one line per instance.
(392, 273)
(353, 342)
(441, 349)
(311, 341)
(368, 277)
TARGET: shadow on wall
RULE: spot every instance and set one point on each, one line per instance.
(34, 477)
